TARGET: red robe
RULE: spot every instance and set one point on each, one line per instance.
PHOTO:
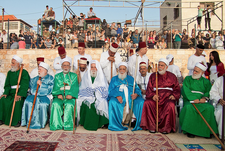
(166, 112)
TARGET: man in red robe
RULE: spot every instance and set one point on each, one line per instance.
(168, 94)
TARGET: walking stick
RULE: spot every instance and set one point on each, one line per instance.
(31, 114)
(17, 89)
(74, 114)
(222, 145)
(135, 74)
(157, 94)
(111, 69)
(78, 68)
(223, 110)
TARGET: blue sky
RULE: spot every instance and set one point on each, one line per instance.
(30, 10)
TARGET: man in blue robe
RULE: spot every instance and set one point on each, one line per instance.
(40, 113)
(120, 100)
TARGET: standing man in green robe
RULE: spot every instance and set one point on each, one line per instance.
(65, 91)
(196, 89)
(6, 100)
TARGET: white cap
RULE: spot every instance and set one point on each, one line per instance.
(53, 29)
(203, 53)
(44, 65)
(201, 66)
(66, 60)
(164, 60)
(123, 64)
(169, 57)
(18, 59)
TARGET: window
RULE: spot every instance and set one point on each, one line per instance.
(21, 26)
(164, 21)
(27, 28)
(176, 12)
(12, 25)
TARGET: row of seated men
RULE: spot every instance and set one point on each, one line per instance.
(100, 101)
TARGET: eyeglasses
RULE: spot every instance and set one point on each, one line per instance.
(66, 65)
(82, 68)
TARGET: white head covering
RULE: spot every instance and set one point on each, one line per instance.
(169, 57)
(44, 65)
(18, 59)
(164, 60)
(67, 59)
(123, 64)
(201, 66)
(203, 53)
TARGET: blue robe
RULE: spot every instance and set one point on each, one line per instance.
(116, 108)
(40, 113)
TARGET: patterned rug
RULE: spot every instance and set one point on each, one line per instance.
(32, 146)
(199, 147)
(90, 141)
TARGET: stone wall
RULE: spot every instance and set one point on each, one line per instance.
(29, 56)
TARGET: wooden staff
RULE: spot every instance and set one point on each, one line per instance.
(31, 114)
(17, 89)
(223, 109)
(222, 145)
(135, 74)
(74, 114)
(157, 95)
(111, 69)
(78, 68)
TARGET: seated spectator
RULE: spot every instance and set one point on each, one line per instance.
(46, 11)
(60, 42)
(108, 31)
(184, 40)
(192, 41)
(42, 45)
(206, 41)
(51, 15)
(162, 44)
(219, 41)
(91, 14)
(102, 39)
(34, 43)
(81, 36)
(22, 43)
(213, 41)
(151, 40)
(46, 33)
(199, 39)
(75, 40)
(14, 45)
(89, 40)
(57, 37)
(48, 43)
(54, 43)
(81, 23)
(113, 29)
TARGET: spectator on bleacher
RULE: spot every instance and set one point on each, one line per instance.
(210, 33)
(199, 40)
(57, 37)
(102, 38)
(168, 39)
(4, 39)
(224, 38)
(164, 35)
(43, 17)
(75, 40)
(184, 41)
(81, 23)
(219, 41)
(15, 44)
(60, 42)
(134, 46)
(151, 40)
(136, 37)
(54, 43)
(125, 31)
(177, 39)
(104, 24)
(75, 20)
(208, 14)
(81, 36)
(119, 29)
(199, 18)
(22, 44)
(21, 34)
(144, 36)
(96, 37)
(118, 41)
(48, 43)
(192, 41)
(206, 41)
(108, 31)
(113, 29)
(46, 11)
(130, 44)
(68, 38)
(28, 39)
(89, 40)
(91, 13)
(46, 33)
(51, 15)
(42, 45)
(53, 33)
(162, 44)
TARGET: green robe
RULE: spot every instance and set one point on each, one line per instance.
(62, 111)
(89, 117)
(6, 104)
(190, 120)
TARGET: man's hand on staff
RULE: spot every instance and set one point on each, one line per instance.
(196, 101)
(69, 97)
(202, 100)
(120, 99)
(112, 59)
(39, 82)
(155, 98)
(4, 95)
(143, 91)
(60, 97)
(172, 97)
(222, 102)
(77, 72)
(134, 96)
(18, 98)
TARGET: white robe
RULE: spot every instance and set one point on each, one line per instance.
(77, 57)
(132, 63)
(57, 64)
(2, 83)
(106, 65)
(216, 93)
(142, 82)
(192, 60)
(34, 72)
(175, 70)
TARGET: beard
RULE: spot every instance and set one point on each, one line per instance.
(196, 76)
(65, 71)
(13, 69)
(41, 74)
(161, 72)
(122, 76)
(93, 74)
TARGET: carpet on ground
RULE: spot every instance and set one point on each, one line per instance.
(199, 147)
(90, 141)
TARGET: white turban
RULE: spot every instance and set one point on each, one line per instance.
(169, 57)
(164, 60)
(18, 59)
(123, 64)
(66, 60)
(44, 65)
(201, 66)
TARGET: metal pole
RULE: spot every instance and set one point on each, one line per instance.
(41, 28)
(146, 39)
(195, 36)
(95, 33)
(63, 25)
(142, 16)
(2, 18)
(171, 43)
(222, 19)
(8, 41)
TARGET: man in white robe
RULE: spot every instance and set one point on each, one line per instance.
(141, 51)
(57, 61)
(174, 68)
(2, 83)
(34, 72)
(195, 58)
(82, 68)
(216, 94)
(105, 61)
(82, 54)
(142, 78)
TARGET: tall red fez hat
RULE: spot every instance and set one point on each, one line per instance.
(81, 44)
(131, 51)
(61, 50)
(42, 59)
(142, 45)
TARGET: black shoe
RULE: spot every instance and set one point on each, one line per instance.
(151, 131)
(208, 137)
(164, 133)
(190, 135)
(1, 122)
(105, 126)
(18, 124)
(133, 124)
